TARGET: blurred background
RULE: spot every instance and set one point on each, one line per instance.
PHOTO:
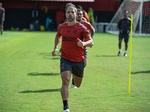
(46, 15)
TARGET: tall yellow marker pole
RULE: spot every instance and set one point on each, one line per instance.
(130, 62)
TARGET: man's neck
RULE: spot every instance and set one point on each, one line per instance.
(71, 23)
(79, 20)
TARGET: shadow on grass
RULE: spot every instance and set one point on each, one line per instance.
(40, 91)
(55, 58)
(49, 56)
(106, 56)
(43, 74)
(45, 54)
(138, 72)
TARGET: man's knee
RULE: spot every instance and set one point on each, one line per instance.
(65, 76)
(65, 82)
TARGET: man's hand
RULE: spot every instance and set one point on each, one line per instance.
(92, 44)
(80, 43)
(54, 52)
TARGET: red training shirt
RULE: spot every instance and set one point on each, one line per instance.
(87, 25)
(70, 36)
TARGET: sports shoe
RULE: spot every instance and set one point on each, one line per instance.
(119, 53)
(73, 86)
(125, 54)
(67, 110)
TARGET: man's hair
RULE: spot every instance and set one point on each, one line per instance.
(79, 10)
(79, 7)
(125, 11)
(70, 5)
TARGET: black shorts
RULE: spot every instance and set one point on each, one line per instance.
(124, 36)
(76, 68)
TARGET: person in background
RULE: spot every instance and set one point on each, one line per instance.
(124, 30)
(91, 30)
(2, 18)
(72, 54)
(85, 15)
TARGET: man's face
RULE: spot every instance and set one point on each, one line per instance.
(79, 15)
(70, 14)
(126, 14)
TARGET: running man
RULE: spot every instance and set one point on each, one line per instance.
(124, 30)
(87, 25)
(91, 30)
(2, 18)
(71, 34)
(85, 15)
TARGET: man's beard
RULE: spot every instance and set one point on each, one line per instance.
(70, 19)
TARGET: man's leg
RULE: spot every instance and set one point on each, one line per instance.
(126, 44)
(119, 46)
(65, 76)
(119, 43)
(126, 48)
(77, 80)
(85, 63)
(126, 40)
(78, 71)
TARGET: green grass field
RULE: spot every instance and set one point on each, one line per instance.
(30, 79)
